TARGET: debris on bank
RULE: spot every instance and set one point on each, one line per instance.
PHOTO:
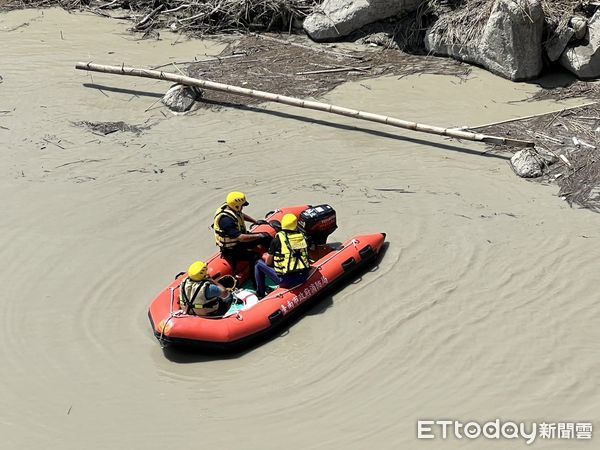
(105, 128)
(195, 18)
(516, 39)
(567, 152)
(293, 67)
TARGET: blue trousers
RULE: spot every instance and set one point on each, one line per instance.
(262, 270)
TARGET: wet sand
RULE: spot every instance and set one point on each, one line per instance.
(484, 305)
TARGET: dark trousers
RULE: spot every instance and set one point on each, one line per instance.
(241, 252)
(262, 270)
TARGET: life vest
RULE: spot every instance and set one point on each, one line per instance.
(222, 240)
(193, 299)
(293, 257)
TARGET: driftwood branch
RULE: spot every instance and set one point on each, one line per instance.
(141, 24)
(218, 58)
(176, 9)
(318, 106)
(516, 119)
(336, 70)
(107, 5)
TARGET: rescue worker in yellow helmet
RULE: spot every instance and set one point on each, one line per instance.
(202, 296)
(287, 262)
(231, 236)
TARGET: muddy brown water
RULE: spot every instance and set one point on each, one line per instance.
(485, 304)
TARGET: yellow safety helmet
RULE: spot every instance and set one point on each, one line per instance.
(236, 200)
(198, 271)
(289, 222)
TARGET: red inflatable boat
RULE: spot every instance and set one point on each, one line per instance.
(248, 317)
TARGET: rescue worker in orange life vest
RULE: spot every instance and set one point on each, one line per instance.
(288, 254)
(202, 296)
(231, 236)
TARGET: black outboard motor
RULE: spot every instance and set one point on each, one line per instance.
(317, 223)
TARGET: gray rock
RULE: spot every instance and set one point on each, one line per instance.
(180, 98)
(579, 25)
(338, 18)
(510, 45)
(584, 60)
(381, 39)
(530, 163)
(558, 42)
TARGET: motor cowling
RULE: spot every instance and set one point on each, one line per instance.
(317, 223)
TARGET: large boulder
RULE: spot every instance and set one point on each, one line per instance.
(584, 60)
(338, 18)
(510, 44)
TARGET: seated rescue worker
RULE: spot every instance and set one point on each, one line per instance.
(201, 295)
(288, 254)
(231, 236)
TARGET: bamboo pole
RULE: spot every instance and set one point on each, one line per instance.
(318, 106)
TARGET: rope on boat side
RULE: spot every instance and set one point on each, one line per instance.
(172, 314)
